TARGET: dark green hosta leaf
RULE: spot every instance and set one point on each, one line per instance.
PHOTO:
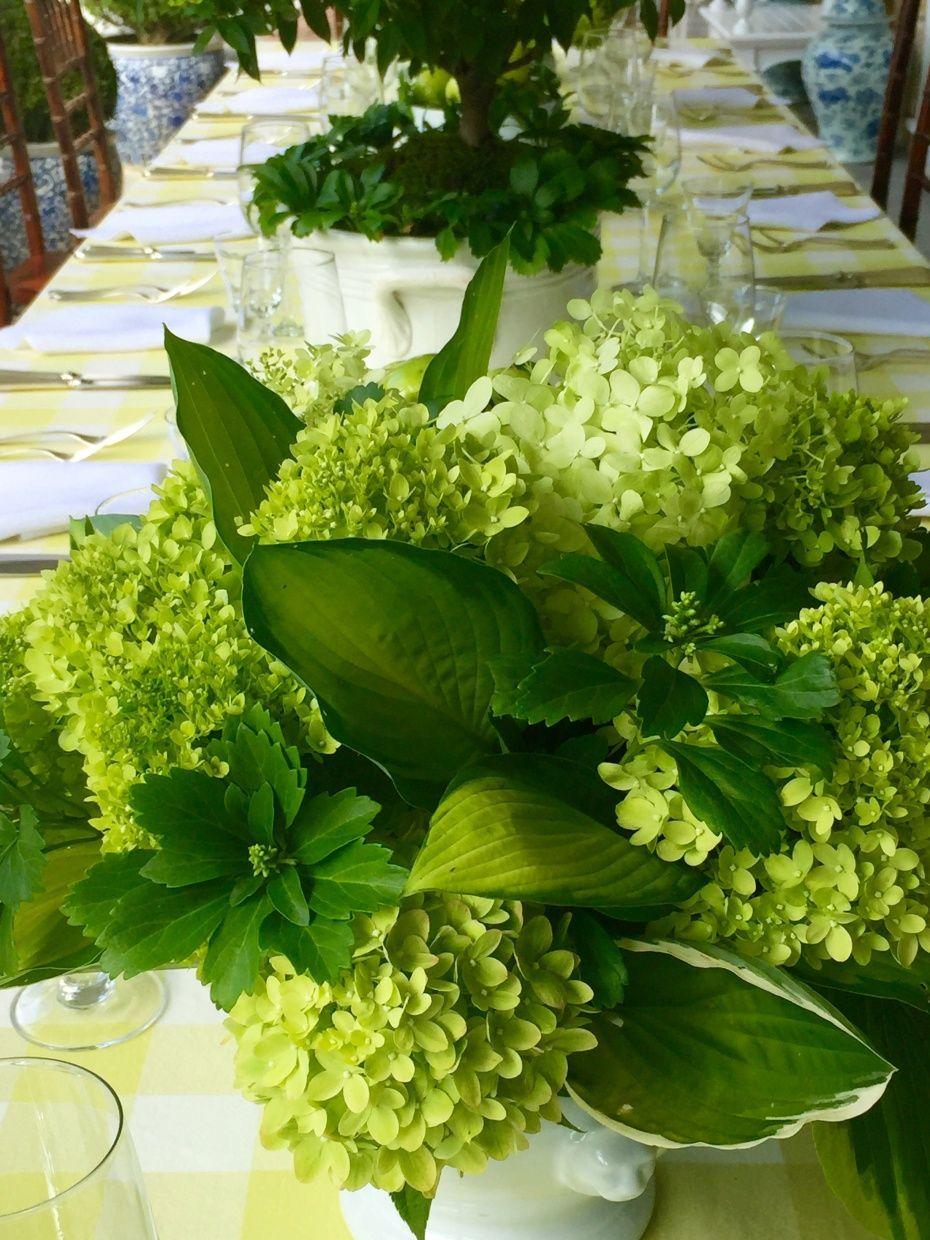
(235, 952)
(600, 961)
(750, 650)
(668, 699)
(877, 1164)
(881, 978)
(395, 641)
(238, 432)
(534, 827)
(21, 856)
(568, 684)
(467, 356)
(414, 1209)
(719, 1050)
(730, 796)
(321, 949)
(804, 689)
(357, 879)
(731, 563)
(775, 742)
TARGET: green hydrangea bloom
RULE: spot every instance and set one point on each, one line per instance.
(444, 1045)
(854, 875)
(309, 380)
(136, 650)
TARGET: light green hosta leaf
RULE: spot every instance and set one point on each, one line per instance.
(714, 1049)
(238, 432)
(568, 684)
(534, 827)
(730, 796)
(878, 1164)
(668, 699)
(467, 356)
(395, 641)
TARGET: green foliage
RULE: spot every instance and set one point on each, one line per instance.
(28, 90)
(21, 857)
(377, 175)
(601, 963)
(149, 21)
(413, 1207)
(568, 684)
(246, 863)
(716, 1050)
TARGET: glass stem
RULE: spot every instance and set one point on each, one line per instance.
(84, 990)
(643, 275)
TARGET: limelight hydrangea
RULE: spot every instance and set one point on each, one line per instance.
(311, 380)
(854, 875)
(136, 650)
(445, 1044)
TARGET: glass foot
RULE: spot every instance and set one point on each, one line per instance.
(87, 1011)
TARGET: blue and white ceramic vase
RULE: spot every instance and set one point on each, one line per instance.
(845, 69)
(158, 88)
(51, 194)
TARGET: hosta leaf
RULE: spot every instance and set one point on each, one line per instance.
(534, 827)
(715, 1049)
(395, 642)
(358, 879)
(877, 1164)
(326, 823)
(804, 689)
(21, 856)
(570, 685)
(775, 742)
(668, 699)
(237, 430)
(881, 978)
(730, 796)
(235, 953)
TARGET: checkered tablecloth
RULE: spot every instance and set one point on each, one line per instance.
(207, 1176)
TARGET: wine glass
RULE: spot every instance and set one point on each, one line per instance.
(287, 299)
(67, 1164)
(765, 307)
(705, 263)
(832, 358)
(657, 120)
(258, 141)
(595, 83)
(87, 1010)
(725, 193)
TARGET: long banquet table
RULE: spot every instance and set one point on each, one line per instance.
(206, 1172)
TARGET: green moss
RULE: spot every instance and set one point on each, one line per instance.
(27, 81)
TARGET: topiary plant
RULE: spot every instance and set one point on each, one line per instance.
(148, 21)
(27, 81)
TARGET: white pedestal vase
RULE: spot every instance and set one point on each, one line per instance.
(159, 85)
(402, 292)
(594, 1184)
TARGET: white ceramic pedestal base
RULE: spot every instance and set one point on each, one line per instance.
(589, 1185)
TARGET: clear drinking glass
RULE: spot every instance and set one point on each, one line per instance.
(87, 1010)
(230, 256)
(288, 298)
(258, 141)
(68, 1170)
(657, 120)
(831, 357)
(706, 265)
(765, 308)
(725, 193)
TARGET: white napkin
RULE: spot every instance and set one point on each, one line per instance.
(874, 311)
(39, 497)
(207, 153)
(922, 478)
(762, 138)
(808, 212)
(154, 225)
(306, 56)
(264, 101)
(690, 57)
(109, 329)
(717, 97)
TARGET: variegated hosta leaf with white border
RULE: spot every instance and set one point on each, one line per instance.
(709, 1048)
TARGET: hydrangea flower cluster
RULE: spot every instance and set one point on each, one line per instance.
(136, 651)
(444, 1045)
(854, 875)
(311, 380)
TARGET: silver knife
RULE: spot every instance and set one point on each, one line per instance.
(188, 171)
(102, 252)
(24, 564)
(48, 380)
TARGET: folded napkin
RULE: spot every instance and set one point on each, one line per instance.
(690, 57)
(717, 97)
(922, 478)
(154, 225)
(762, 138)
(808, 212)
(874, 311)
(264, 101)
(39, 497)
(206, 153)
(306, 56)
(109, 329)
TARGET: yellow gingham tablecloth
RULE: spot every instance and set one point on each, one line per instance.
(208, 1177)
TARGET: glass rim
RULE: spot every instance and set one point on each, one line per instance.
(844, 347)
(63, 1065)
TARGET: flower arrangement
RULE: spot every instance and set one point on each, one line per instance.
(487, 739)
(148, 21)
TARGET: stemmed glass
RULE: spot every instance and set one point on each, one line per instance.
(87, 1010)
(725, 193)
(287, 298)
(258, 142)
(613, 73)
(657, 120)
(68, 1169)
(705, 263)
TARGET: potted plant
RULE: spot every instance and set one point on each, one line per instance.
(408, 213)
(44, 156)
(523, 874)
(162, 72)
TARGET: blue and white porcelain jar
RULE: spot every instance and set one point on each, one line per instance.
(158, 88)
(845, 69)
(51, 193)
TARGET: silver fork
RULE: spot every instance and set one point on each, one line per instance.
(154, 294)
(31, 443)
(869, 361)
(772, 245)
(719, 164)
